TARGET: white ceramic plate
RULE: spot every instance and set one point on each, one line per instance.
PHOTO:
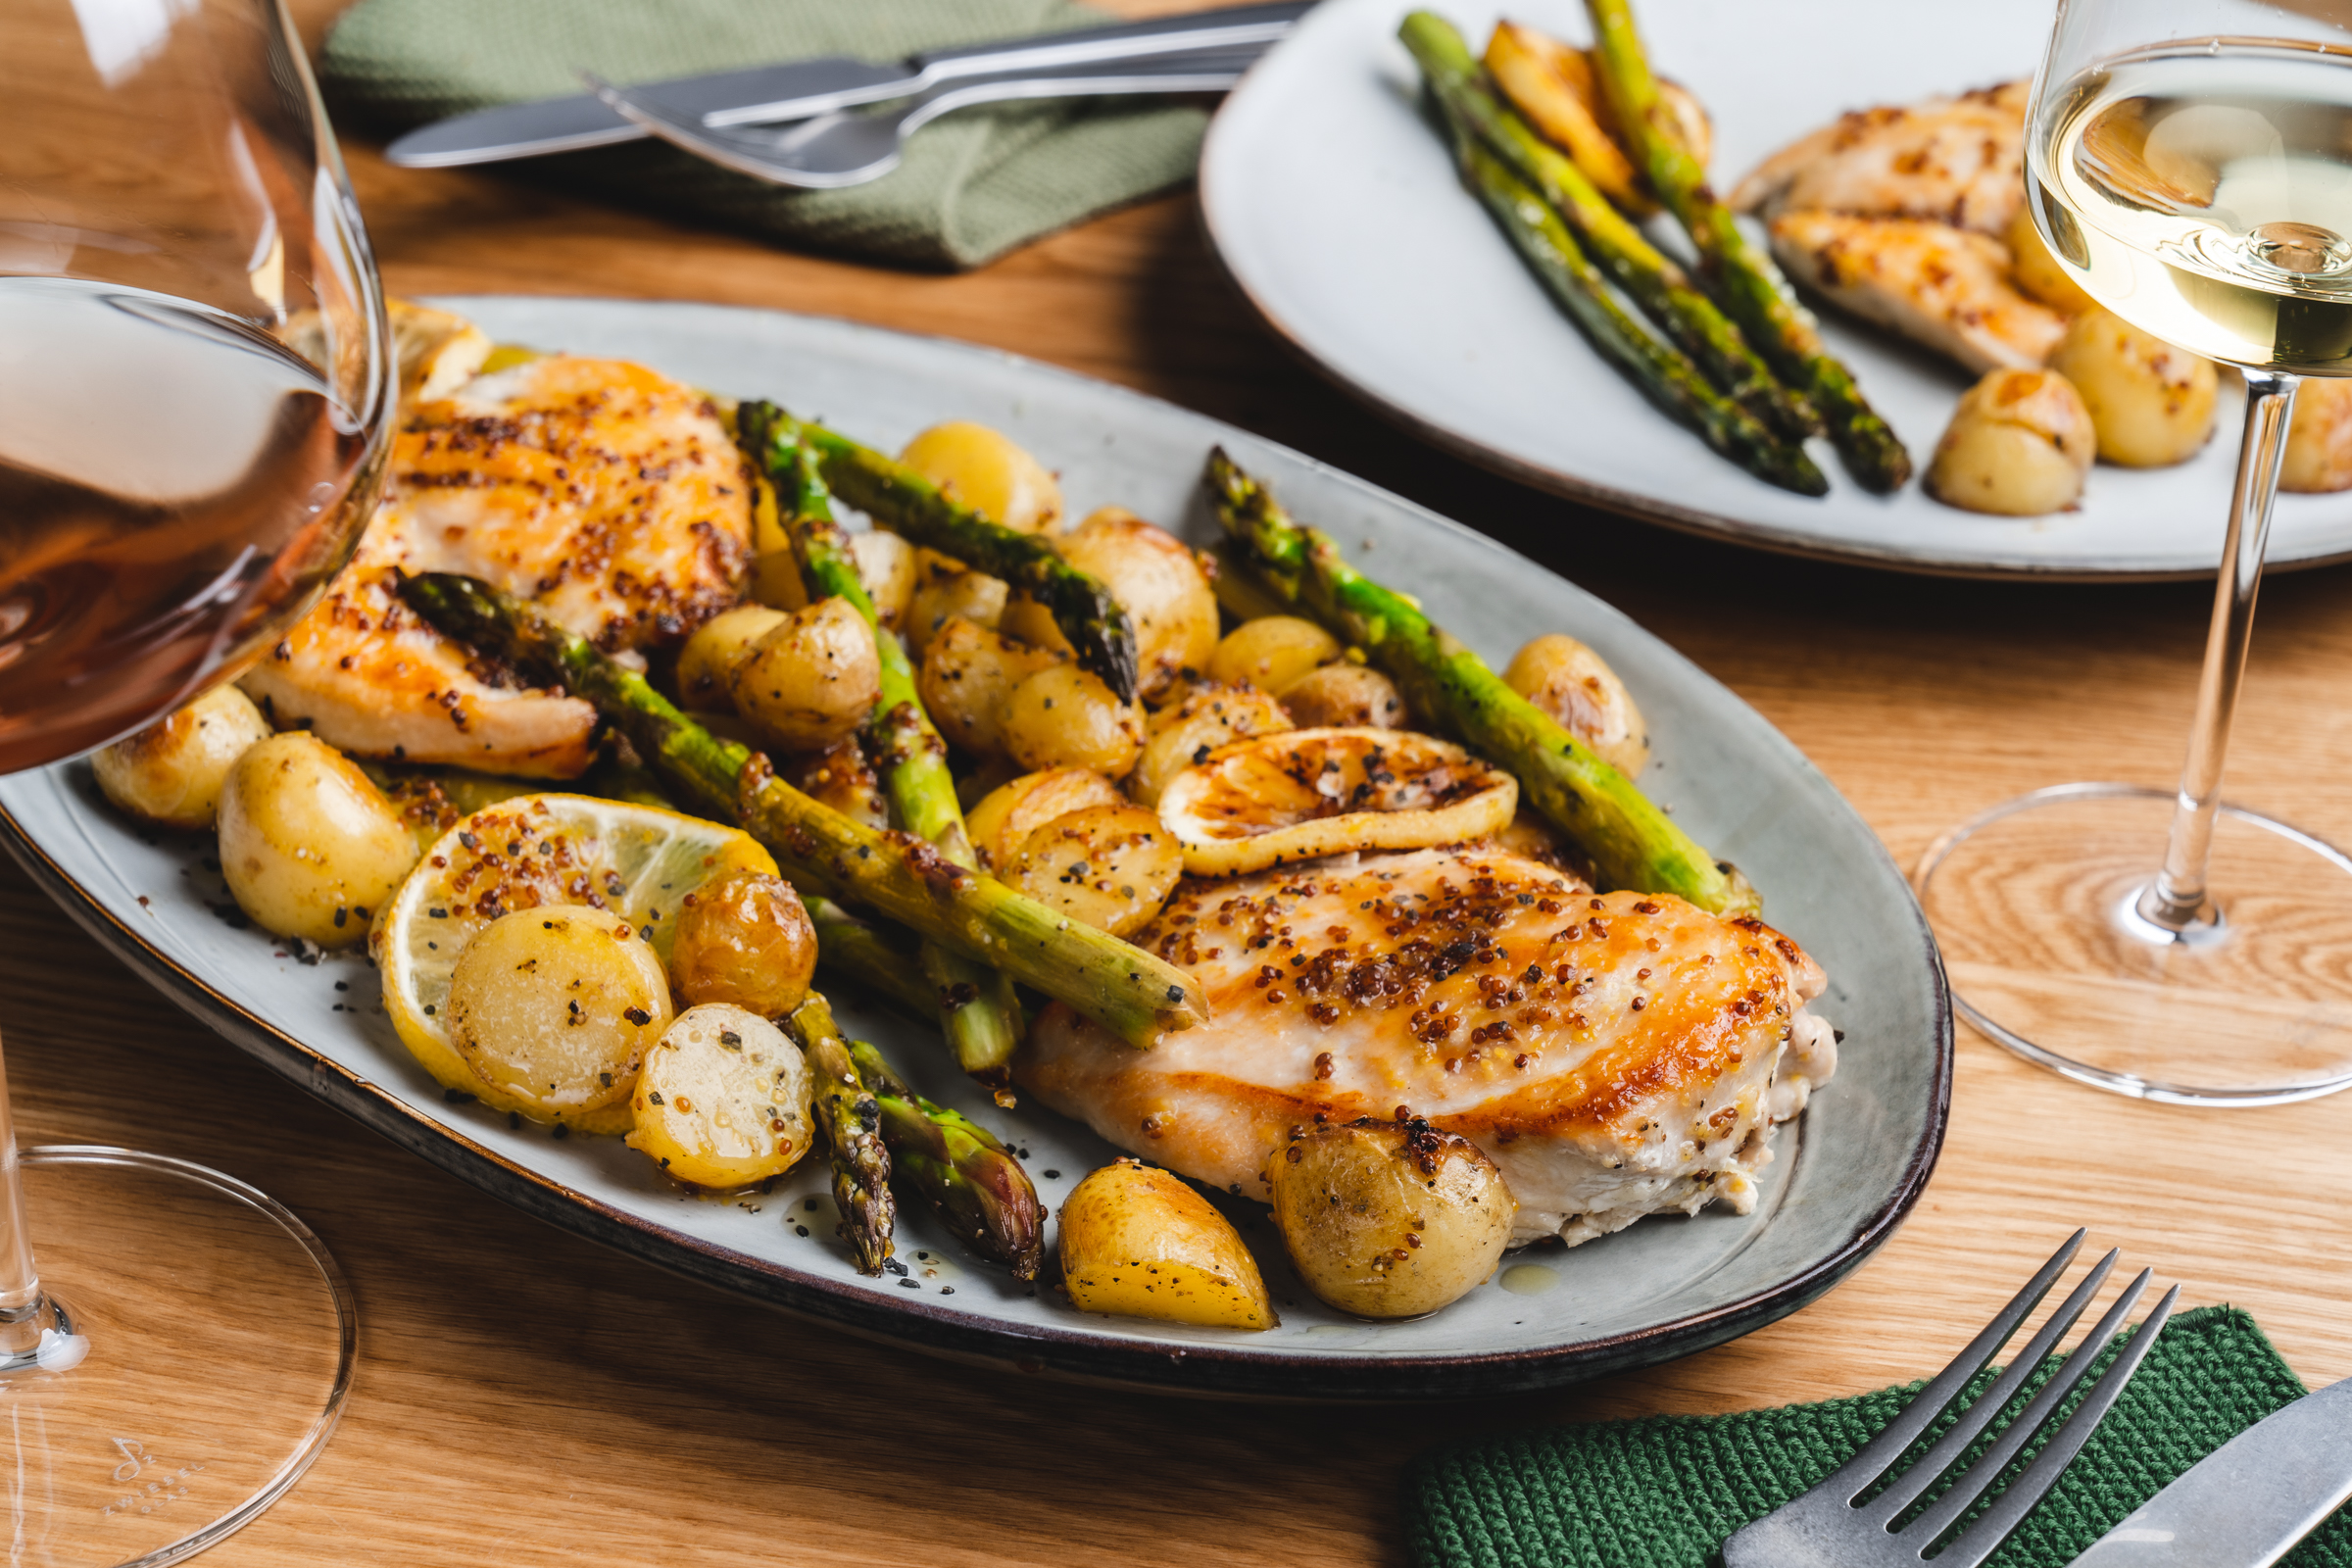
(1335, 205)
(1849, 1171)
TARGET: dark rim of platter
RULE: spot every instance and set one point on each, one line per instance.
(1069, 1353)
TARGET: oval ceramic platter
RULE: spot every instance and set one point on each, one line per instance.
(1847, 1174)
(1334, 203)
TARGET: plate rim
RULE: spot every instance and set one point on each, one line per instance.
(1077, 1353)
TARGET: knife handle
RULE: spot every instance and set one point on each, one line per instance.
(1128, 40)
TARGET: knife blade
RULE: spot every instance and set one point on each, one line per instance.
(2246, 1504)
(803, 88)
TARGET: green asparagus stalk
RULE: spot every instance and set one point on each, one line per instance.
(848, 947)
(972, 1181)
(900, 877)
(979, 1011)
(851, 1121)
(1659, 368)
(912, 506)
(1653, 280)
(1753, 291)
(1631, 843)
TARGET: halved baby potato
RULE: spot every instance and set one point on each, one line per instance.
(1314, 792)
(723, 1098)
(1212, 714)
(174, 770)
(1138, 1241)
(1110, 866)
(557, 1005)
(1003, 820)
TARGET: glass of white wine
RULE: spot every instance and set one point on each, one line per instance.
(2190, 163)
(196, 390)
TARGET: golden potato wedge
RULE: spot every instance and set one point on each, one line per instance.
(812, 679)
(986, 471)
(2150, 403)
(945, 591)
(173, 772)
(2019, 445)
(1273, 652)
(744, 939)
(1211, 715)
(1109, 866)
(2318, 438)
(720, 646)
(1345, 696)
(1138, 1243)
(2037, 272)
(556, 1006)
(1002, 823)
(723, 1100)
(1389, 1220)
(1577, 687)
(308, 846)
(966, 674)
(1064, 716)
(1155, 579)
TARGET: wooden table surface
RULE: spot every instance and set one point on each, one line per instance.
(525, 1397)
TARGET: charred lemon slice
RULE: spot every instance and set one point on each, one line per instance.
(1309, 793)
(635, 860)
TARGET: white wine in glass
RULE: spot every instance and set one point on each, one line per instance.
(2190, 163)
(196, 388)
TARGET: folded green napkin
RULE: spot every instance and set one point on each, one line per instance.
(974, 184)
(1663, 1492)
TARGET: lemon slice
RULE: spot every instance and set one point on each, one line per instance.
(636, 861)
(1307, 793)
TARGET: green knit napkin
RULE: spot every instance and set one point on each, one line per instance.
(1663, 1492)
(974, 184)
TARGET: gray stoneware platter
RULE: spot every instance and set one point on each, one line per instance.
(1848, 1170)
(1335, 206)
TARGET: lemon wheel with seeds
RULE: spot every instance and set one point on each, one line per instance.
(636, 861)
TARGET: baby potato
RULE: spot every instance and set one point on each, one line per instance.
(1153, 577)
(2150, 403)
(1345, 696)
(1577, 687)
(812, 679)
(557, 1006)
(966, 674)
(1389, 1220)
(1110, 866)
(2318, 438)
(1210, 717)
(723, 1098)
(744, 939)
(1064, 716)
(308, 846)
(1006, 817)
(720, 646)
(945, 591)
(887, 566)
(1138, 1243)
(983, 468)
(174, 770)
(2019, 445)
(1273, 652)
(2037, 272)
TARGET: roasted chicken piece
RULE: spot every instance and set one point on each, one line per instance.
(612, 496)
(1943, 286)
(1957, 160)
(1616, 1055)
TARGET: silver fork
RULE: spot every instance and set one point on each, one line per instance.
(1841, 1524)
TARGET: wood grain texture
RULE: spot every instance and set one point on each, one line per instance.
(528, 1398)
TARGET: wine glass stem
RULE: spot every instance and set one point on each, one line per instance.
(21, 1309)
(2177, 898)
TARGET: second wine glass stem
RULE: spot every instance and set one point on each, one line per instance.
(2177, 899)
(22, 1313)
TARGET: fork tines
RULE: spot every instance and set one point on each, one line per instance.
(1852, 1520)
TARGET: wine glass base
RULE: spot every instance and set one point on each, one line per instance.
(2038, 905)
(199, 1362)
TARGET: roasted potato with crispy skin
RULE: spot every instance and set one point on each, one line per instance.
(720, 646)
(2319, 439)
(1211, 715)
(966, 674)
(744, 939)
(945, 591)
(1346, 696)
(2150, 403)
(810, 679)
(1273, 652)
(888, 567)
(308, 846)
(723, 1098)
(2037, 272)
(1002, 823)
(984, 470)
(174, 770)
(1138, 1243)
(1155, 579)
(1110, 866)
(557, 1005)
(1064, 716)
(1577, 687)
(2019, 445)
(1389, 1220)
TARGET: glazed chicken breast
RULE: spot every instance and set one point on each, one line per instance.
(1617, 1055)
(1939, 285)
(612, 496)
(1957, 160)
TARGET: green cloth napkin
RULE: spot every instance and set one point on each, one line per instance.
(974, 184)
(1663, 1492)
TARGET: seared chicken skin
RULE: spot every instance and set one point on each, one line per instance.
(1939, 285)
(1957, 160)
(612, 496)
(1617, 1055)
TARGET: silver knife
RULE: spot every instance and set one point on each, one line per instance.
(803, 89)
(2246, 1504)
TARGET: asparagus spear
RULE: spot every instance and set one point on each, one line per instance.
(911, 505)
(1754, 290)
(1655, 282)
(902, 878)
(972, 1181)
(1632, 842)
(851, 1121)
(848, 947)
(978, 1009)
